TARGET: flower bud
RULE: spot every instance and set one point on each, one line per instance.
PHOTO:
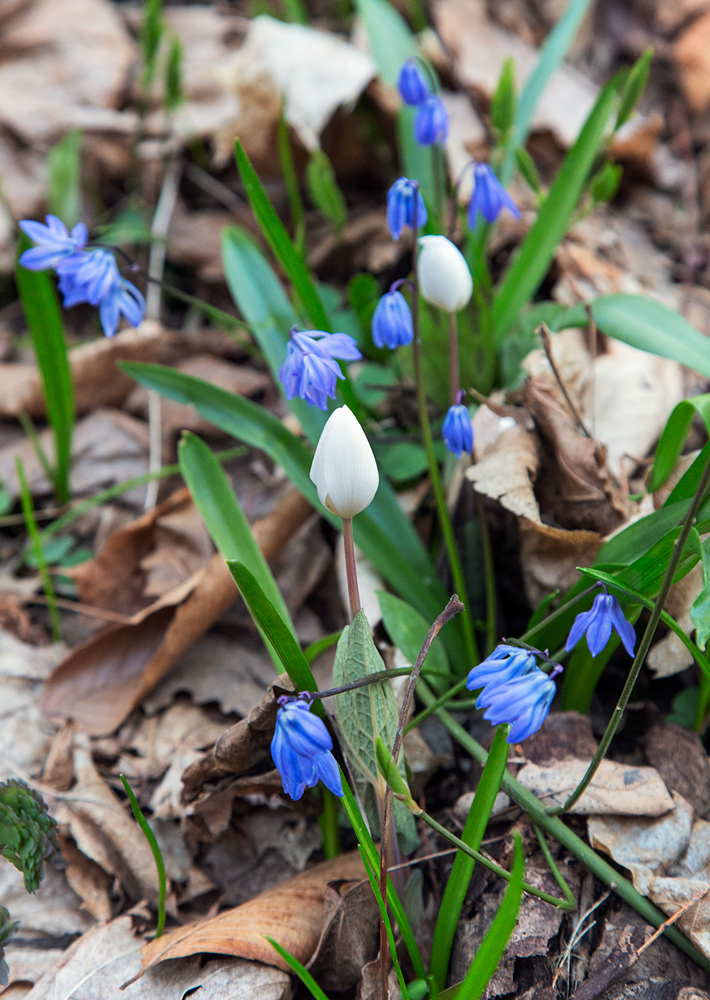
(444, 278)
(392, 322)
(344, 469)
(402, 198)
(431, 125)
(457, 430)
(412, 84)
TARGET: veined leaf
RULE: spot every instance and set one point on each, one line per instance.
(538, 248)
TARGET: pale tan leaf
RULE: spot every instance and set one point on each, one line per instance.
(615, 788)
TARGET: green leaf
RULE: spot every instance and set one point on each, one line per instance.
(634, 87)
(402, 461)
(366, 713)
(173, 93)
(472, 835)
(526, 166)
(538, 248)
(504, 99)
(225, 520)
(44, 319)
(605, 183)
(279, 241)
(494, 943)
(323, 189)
(652, 326)
(674, 436)
(551, 55)
(408, 630)
(700, 611)
(64, 178)
(274, 627)
(392, 43)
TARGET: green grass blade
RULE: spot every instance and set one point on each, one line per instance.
(280, 242)
(44, 319)
(674, 436)
(460, 876)
(551, 55)
(36, 540)
(494, 943)
(300, 970)
(153, 844)
(274, 627)
(538, 248)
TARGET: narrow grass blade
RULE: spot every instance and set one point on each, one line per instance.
(538, 248)
(674, 436)
(35, 538)
(153, 844)
(300, 970)
(44, 319)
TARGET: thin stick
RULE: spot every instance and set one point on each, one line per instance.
(544, 334)
(350, 567)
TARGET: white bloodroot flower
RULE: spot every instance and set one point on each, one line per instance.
(344, 469)
(444, 278)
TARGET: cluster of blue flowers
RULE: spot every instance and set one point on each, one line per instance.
(302, 749)
(431, 125)
(514, 690)
(310, 370)
(84, 275)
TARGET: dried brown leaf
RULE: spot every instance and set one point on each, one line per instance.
(350, 937)
(101, 681)
(615, 789)
(291, 912)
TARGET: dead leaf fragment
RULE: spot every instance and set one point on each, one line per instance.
(614, 789)
(291, 912)
(691, 54)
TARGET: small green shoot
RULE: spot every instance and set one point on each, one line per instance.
(153, 844)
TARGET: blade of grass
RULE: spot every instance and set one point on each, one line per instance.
(153, 844)
(300, 970)
(35, 538)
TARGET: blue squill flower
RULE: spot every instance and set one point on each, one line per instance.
(412, 84)
(54, 242)
(522, 702)
(310, 370)
(503, 664)
(431, 126)
(302, 749)
(489, 196)
(598, 622)
(94, 277)
(457, 429)
(392, 322)
(401, 199)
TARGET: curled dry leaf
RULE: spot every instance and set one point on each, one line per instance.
(101, 681)
(615, 789)
(291, 912)
(350, 937)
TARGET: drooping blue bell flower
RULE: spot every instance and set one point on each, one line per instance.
(392, 322)
(53, 242)
(401, 200)
(310, 370)
(489, 196)
(598, 622)
(302, 749)
(94, 277)
(522, 702)
(503, 664)
(457, 430)
(431, 125)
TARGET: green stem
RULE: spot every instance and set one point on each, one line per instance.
(447, 529)
(328, 822)
(153, 843)
(557, 828)
(644, 645)
(490, 579)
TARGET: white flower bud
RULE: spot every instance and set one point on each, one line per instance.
(444, 278)
(344, 469)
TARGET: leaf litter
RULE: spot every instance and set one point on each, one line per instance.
(176, 697)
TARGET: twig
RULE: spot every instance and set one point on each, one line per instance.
(544, 335)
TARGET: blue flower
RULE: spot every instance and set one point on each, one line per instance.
(309, 370)
(401, 199)
(302, 750)
(457, 430)
(392, 322)
(503, 664)
(489, 196)
(94, 277)
(431, 125)
(412, 84)
(54, 242)
(522, 702)
(604, 614)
